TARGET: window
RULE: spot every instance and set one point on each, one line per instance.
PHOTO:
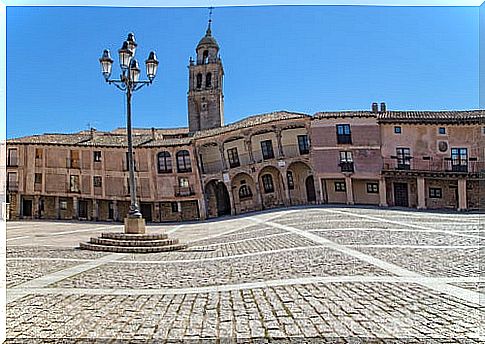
(245, 192)
(303, 144)
(268, 183)
(343, 133)
(372, 187)
(97, 156)
(164, 162)
(346, 162)
(403, 156)
(199, 80)
(340, 187)
(442, 130)
(183, 161)
(63, 205)
(184, 182)
(397, 130)
(291, 182)
(233, 157)
(38, 178)
(435, 193)
(208, 80)
(74, 184)
(459, 159)
(175, 207)
(97, 181)
(38, 153)
(205, 56)
(12, 157)
(12, 184)
(267, 149)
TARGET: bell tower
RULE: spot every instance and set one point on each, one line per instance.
(205, 98)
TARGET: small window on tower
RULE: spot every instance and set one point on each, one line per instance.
(199, 80)
(205, 57)
(208, 80)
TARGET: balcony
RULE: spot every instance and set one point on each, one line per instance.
(428, 164)
(344, 138)
(182, 191)
(346, 166)
(12, 186)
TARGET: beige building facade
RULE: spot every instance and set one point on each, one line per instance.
(423, 160)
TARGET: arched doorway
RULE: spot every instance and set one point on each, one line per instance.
(299, 180)
(310, 190)
(217, 197)
(244, 193)
(271, 188)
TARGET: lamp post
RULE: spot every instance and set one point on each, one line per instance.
(129, 82)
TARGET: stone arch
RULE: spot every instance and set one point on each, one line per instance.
(299, 191)
(244, 193)
(271, 197)
(217, 199)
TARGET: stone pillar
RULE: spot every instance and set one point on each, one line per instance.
(280, 145)
(231, 198)
(320, 185)
(74, 208)
(95, 214)
(223, 159)
(382, 193)
(258, 194)
(462, 202)
(115, 211)
(35, 206)
(202, 207)
(249, 148)
(349, 190)
(57, 207)
(421, 193)
(286, 190)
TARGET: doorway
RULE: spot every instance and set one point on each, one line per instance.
(401, 197)
(83, 209)
(146, 211)
(27, 208)
(310, 190)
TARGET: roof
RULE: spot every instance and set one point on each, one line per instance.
(251, 122)
(427, 117)
(208, 39)
(416, 117)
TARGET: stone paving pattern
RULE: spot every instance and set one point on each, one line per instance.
(295, 273)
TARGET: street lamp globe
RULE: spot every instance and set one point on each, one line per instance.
(125, 56)
(106, 64)
(134, 70)
(151, 65)
(131, 43)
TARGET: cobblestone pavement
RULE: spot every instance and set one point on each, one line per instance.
(301, 273)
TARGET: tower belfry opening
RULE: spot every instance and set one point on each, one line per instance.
(205, 97)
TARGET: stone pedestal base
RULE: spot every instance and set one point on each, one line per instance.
(134, 225)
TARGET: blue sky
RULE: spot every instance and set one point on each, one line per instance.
(297, 58)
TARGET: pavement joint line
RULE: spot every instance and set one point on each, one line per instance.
(17, 238)
(395, 230)
(395, 222)
(50, 259)
(173, 230)
(44, 281)
(241, 286)
(461, 293)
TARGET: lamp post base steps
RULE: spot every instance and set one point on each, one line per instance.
(132, 243)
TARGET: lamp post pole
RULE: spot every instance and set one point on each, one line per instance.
(129, 82)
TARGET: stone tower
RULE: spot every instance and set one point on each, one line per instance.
(205, 98)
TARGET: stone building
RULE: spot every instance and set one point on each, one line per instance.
(378, 157)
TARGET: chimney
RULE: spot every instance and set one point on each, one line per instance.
(375, 107)
(93, 132)
(383, 107)
(154, 134)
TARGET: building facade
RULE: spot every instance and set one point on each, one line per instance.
(423, 160)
